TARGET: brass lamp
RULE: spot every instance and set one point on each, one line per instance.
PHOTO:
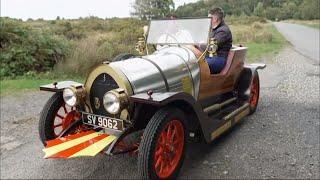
(141, 46)
(212, 47)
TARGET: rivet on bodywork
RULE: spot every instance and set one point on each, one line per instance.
(150, 92)
(55, 84)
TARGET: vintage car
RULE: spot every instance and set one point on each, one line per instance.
(152, 104)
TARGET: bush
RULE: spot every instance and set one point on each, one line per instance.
(83, 56)
(69, 30)
(95, 49)
(24, 49)
(73, 45)
(118, 36)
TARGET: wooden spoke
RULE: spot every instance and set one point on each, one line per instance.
(59, 116)
(57, 125)
(65, 109)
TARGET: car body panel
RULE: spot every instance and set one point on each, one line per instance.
(213, 85)
(170, 69)
(211, 128)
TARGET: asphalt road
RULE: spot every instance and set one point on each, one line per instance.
(304, 39)
(281, 140)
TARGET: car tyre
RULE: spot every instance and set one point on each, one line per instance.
(55, 117)
(162, 149)
(254, 93)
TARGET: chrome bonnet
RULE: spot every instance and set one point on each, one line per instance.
(170, 68)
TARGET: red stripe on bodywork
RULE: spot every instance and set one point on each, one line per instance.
(67, 138)
(69, 152)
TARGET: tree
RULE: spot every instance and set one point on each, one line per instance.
(273, 13)
(271, 9)
(310, 9)
(150, 9)
(290, 10)
(258, 10)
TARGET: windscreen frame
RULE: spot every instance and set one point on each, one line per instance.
(179, 43)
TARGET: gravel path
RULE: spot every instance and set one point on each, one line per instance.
(281, 140)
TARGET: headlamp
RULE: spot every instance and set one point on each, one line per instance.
(115, 100)
(69, 97)
(73, 95)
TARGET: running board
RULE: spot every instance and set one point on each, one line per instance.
(88, 143)
(230, 120)
(219, 106)
(243, 108)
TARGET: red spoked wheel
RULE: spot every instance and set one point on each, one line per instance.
(63, 118)
(56, 117)
(162, 148)
(169, 149)
(254, 93)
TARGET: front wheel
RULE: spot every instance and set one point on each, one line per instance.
(162, 149)
(55, 117)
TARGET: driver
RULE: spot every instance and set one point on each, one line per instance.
(221, 32)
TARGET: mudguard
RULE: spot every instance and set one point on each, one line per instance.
(255, 66)
(245, 78)
(59, 86)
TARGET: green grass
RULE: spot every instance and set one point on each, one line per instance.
(12, 85)
(258, 50)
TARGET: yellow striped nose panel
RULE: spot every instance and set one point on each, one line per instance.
(95, 148)
(82, 144)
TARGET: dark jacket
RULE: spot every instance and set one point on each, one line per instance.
(223, 35)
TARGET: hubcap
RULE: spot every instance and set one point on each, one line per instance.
(169, 149)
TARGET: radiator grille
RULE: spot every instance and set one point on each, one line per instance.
(102, 84)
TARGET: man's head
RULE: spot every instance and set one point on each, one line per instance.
(216, 15)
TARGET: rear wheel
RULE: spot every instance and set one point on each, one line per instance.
(162, 149)
(55, 117)
(254, 93)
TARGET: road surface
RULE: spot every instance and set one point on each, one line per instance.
(281, 140)
(304, 39)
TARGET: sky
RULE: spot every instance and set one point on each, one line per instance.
(69, 9)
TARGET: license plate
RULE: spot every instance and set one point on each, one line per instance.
(102, 121)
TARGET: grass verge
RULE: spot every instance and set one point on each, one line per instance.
(258, 50)
(11, 86)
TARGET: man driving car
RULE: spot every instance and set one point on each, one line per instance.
(222, 34)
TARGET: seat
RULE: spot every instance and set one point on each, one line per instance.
(228, 63)
(215, 84)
